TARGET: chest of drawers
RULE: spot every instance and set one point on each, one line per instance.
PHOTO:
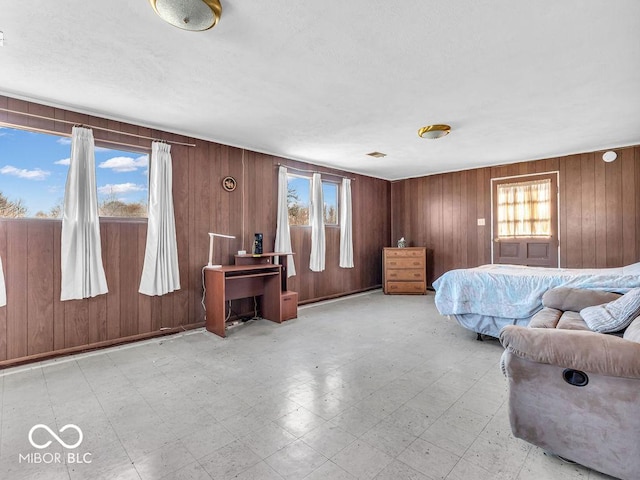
(404, 270)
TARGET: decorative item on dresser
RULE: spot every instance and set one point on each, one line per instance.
(404, 270)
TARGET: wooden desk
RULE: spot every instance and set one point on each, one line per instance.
(288, 299)
(231, 282)
(263, 258)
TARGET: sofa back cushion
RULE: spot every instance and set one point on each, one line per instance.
(575, 299)
(613, 316)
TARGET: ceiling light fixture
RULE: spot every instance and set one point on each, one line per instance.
(377, 154)
(609, 156)
(192, 15)
(434, 131)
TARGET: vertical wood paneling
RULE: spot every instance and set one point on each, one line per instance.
(588, 209)
(600, 214)
(144, 301)
(58, 306)
(40, 292)
(16, 275)
(111, 248)
(613, 195)
(598, 211)
(627, 164)
(570, 182)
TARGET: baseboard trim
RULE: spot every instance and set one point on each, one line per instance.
(14, 362)
(338, 295)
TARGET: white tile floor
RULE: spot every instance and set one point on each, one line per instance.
(372, 386)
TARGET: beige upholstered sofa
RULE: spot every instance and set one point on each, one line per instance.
(572, 391)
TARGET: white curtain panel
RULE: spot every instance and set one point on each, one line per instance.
(283, 234)
(316, 261)
(81, 252)
(160, 272)
(346, 233)
(3, 290)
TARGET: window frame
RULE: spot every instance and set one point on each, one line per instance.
(337, 185)
(308, 203)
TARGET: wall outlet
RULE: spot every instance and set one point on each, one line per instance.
(481, 222)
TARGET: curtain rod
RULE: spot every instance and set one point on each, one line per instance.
(314, 171)
(42, 117)
(62, 134)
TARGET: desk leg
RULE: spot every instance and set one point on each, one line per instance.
(214, 301)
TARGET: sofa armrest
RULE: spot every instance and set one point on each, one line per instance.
(581, 350)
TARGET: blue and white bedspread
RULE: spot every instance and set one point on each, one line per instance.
(513, 291)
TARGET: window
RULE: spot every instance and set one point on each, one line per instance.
(33, 173)
(298, 200)
(524, 209)
(330, 199)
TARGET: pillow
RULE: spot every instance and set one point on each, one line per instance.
(633, 332)
(633, 269)
(613, 316)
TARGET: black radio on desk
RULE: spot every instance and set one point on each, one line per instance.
(257, 244)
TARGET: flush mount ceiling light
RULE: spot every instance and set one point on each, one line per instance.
(434, 131)
(192, 15)
(609, 156)
(377, 154)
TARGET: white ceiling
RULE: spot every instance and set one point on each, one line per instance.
(327, 82)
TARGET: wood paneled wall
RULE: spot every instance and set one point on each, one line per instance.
(599, 211)
(35, 323)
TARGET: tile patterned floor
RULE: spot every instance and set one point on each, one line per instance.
(369, 387)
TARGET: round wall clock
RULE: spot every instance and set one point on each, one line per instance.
(229, 184)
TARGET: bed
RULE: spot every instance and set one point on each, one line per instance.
(484, 299)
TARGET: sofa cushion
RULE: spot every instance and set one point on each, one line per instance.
(572, 321)
(545, 318)
(632, 333)
(613, 316)
(575, 299)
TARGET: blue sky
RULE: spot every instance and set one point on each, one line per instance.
(33, 168)
(302, 186)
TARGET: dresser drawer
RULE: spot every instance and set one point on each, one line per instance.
(407, 274)
(407, 252)
(406, 287)
(401, 262)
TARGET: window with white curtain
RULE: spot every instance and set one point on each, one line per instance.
(298, 200)
(33, 171)
(524, 209)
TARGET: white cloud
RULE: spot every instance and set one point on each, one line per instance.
(35, 174)
(120, 188)
(125, 164)
(63, 161)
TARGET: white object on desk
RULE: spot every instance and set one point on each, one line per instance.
(211, 235)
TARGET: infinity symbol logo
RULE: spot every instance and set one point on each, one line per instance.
(53, 434)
